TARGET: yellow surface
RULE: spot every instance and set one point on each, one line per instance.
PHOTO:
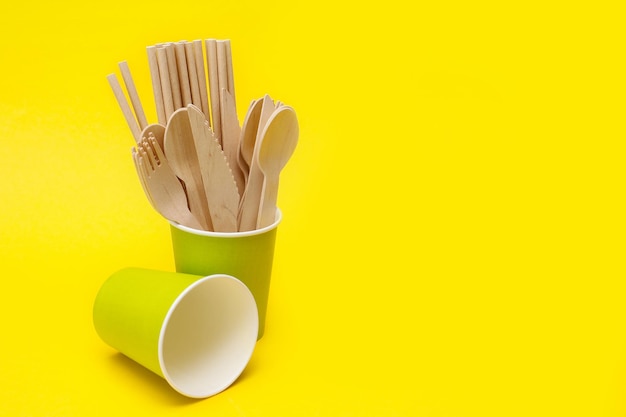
(453, 241)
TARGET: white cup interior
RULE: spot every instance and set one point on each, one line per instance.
(208, 336)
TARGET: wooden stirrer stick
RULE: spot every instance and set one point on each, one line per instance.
(214, 87)
(174, 79)
(183, 73)
(194, 83)
(133, 95)
(204, 96)
(166, 86)
(229, 69)
(156, 84)
(124, 106)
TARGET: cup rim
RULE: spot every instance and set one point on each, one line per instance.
(246, 353)
(279, 217)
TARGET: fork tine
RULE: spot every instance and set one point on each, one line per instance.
(136, 156)
(156, 148)
(163, 189)
(146, 158)
(141, 155)
(147, 169)
(141, 173)
(153, 160)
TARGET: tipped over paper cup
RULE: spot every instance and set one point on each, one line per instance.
(198, 333)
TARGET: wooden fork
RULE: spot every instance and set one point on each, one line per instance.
(162, 187)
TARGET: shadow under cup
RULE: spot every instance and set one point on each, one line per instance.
(248, 256)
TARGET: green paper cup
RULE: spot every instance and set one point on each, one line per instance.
(197, 333)
(245, 255)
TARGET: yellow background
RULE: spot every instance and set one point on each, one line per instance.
(453, 235)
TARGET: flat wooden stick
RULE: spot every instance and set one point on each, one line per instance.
(124, 106)
(214, 87)
(204, 96)
(174, 78)
(156, 84)
(133, 95)
(222, 66)
(194, 84)
(166, 86)
(229, 70)
(222, 75)
(183, 73)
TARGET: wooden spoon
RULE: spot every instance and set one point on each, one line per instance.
(278, 142)
(251, 199)
(248, 133)
(181, 153)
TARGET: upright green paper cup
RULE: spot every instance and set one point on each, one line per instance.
(197, 333)
(246, 255)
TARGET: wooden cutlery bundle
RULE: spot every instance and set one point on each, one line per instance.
(197, 165)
